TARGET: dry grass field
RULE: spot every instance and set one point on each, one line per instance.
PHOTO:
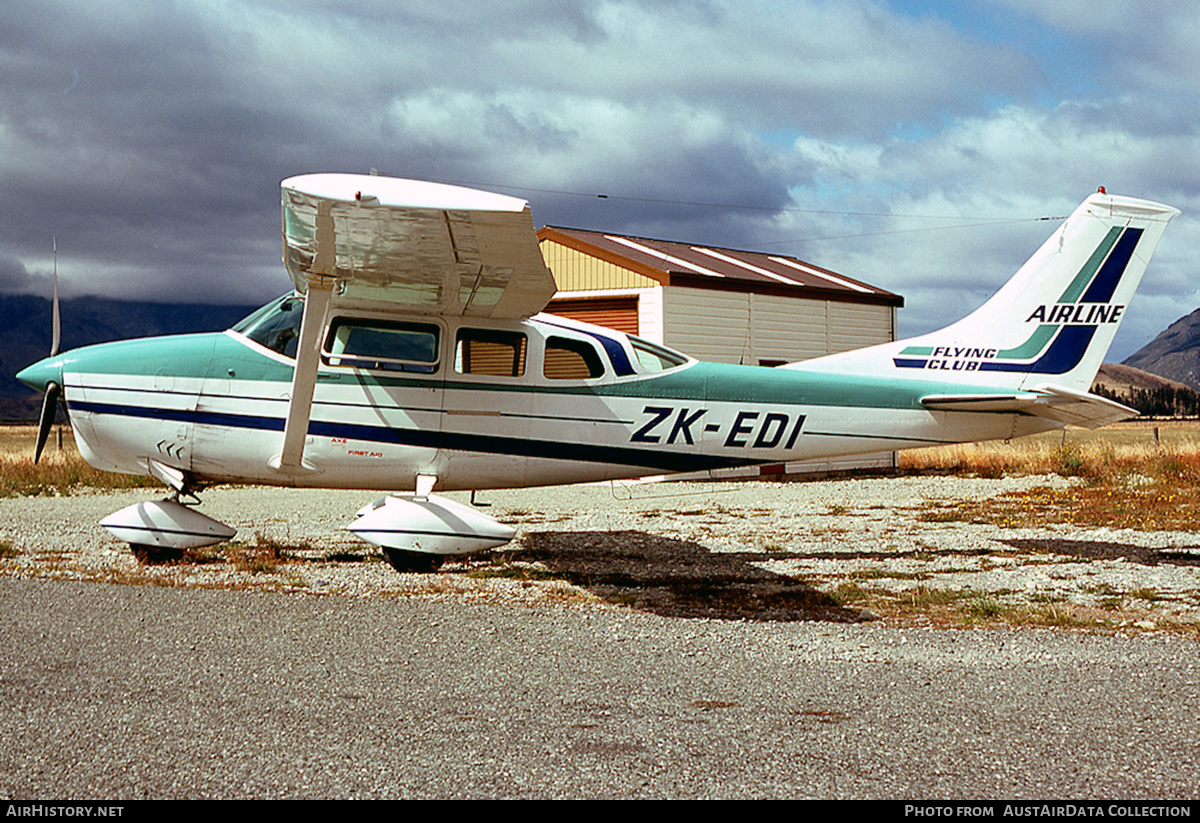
(1133, 439)
(1140, 475)
(60, 471)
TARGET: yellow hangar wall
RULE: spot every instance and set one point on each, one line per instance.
(578, 271)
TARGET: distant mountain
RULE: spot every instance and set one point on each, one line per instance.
(25, 334)
(1175, 353)
(1123, 379)
(1150, 394)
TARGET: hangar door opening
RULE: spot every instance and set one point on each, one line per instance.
(619, 313)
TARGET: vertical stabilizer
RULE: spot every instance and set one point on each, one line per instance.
(1051, 323)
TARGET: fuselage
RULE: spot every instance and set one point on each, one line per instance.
(476, 403)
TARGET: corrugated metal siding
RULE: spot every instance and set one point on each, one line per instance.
(708, 325)
(650, 315)
(854, 325)
(786, 328)
(731, 327)
(575, 271)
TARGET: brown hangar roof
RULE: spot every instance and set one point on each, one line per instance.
(717, 268)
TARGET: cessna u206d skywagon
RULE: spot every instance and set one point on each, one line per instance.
(411, 355)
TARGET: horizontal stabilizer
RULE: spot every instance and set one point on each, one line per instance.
(1052, 402)
(1080, 408)
(1006, 403)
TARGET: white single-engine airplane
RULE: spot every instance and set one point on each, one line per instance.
(411, 356)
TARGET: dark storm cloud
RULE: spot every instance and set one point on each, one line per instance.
(14, 279)
(151, 137)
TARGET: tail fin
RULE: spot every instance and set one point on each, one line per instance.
(1052, 322)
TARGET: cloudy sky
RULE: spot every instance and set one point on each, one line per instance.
(913, 145)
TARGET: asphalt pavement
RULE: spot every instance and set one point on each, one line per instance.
(124, 692)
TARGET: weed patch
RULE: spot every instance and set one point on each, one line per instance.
(984, 608)
(264, 556)
(162, 556)
(849, 592)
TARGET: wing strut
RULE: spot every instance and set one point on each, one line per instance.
(321, 282)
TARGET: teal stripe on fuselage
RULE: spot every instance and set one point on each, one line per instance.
(223, 357)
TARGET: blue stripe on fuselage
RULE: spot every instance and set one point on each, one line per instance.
(450, 441)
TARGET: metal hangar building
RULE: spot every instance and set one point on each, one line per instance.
(723, 305)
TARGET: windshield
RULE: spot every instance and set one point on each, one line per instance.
(276, 325)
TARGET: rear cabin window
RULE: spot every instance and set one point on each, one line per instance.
(568, 359)
(495, 353)
(382, 345)
(652, 358)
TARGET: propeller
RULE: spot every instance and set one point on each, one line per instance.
(53, 390)
(46, 421)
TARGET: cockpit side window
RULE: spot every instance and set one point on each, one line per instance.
(276, 325)
(383, 345)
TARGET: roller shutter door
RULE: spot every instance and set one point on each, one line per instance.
(619, 313)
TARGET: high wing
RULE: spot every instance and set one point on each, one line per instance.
(426, 248)
(409, 245)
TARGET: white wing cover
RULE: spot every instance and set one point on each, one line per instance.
(427, 248)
